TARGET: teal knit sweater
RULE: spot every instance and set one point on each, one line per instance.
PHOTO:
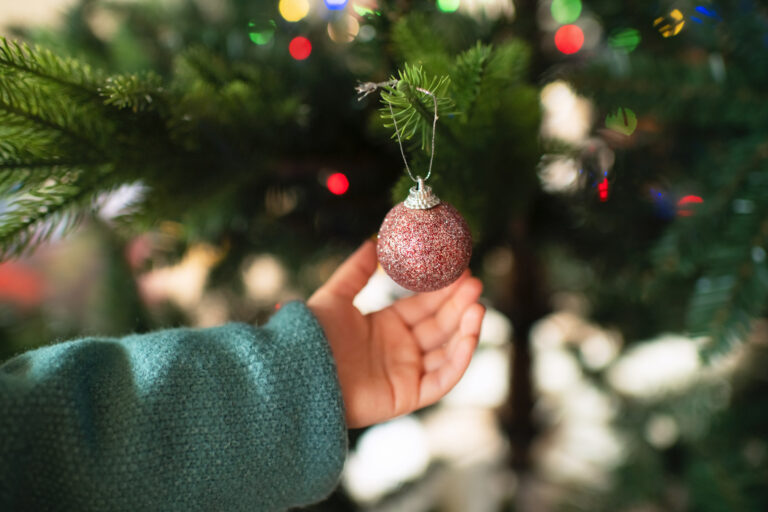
(221, 419)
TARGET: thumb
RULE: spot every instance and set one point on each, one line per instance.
(354, 273)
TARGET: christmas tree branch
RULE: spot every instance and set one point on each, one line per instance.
(411, 103)
(47, 66)
(35, 216)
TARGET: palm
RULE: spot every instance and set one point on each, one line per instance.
(403, 357)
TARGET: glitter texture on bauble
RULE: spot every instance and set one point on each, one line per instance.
(424, 244)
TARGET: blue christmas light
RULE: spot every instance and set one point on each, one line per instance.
(335, 5)
(706, 14)
(709, 13)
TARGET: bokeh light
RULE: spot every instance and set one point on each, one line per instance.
(448, 5)
(335, 5)
(567, 116)
(664, 206)
(565, 11)
(344, 29)
(21, 285)
(337, 183)
(624, 39)
(685, 206)
(386, 456)
(365, 10)
(558, 174)
(623, 121)
(670, 25)
(300, 48)
(706, 14)
(261, 32)
(569, 39)
(293, 10)
(264, 277)
(367, 33)
(602, 190)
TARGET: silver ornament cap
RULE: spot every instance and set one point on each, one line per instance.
(421, 197)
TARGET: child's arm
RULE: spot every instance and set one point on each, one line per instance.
(228, 418)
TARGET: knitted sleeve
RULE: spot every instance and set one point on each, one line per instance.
(228, 418)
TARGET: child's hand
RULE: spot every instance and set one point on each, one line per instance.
(401, 358)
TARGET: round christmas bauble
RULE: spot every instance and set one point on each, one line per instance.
(424, 244)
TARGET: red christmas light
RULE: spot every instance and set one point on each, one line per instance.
(602, 189)
(683, 210)
(337, 183)
(569, 39)
(300, 48)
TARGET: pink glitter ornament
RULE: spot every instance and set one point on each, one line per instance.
(424, 244)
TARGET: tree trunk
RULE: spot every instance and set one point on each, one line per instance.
(526, 305)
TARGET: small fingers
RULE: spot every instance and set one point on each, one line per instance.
(435, 330)
(445, 366)
(418, 307)
(353, 273)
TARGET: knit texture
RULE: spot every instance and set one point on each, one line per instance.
(222, 419)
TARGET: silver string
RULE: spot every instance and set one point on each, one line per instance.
(366, 88)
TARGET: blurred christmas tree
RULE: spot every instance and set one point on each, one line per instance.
(225, 121)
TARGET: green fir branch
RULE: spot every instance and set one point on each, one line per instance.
(468, 76)
(47, 66)
(33, 215)
(137, 92)
(414, 110)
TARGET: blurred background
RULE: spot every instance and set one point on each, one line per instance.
(610, 157)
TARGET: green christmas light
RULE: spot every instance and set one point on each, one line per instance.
(566, 11)
(625, 39)
(448, 5)
(365, 11)
(261, 32)
(623, 121)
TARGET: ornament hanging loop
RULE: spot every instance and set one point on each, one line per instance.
(421, 196)
(364, 89)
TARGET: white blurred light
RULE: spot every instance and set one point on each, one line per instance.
(264, 278)
(599, 350)
(661, 431)
(717, 67)
(387, 455)
(490, 9)
(557, 328)
(555, 371)
(547, 334)
(367, 33)
(559, 175)
(486, 381)
(35, 13)
(567, 116)
(496, 328)
(585, 403)
(667, 364)
(464, 435)
(380, 292)
(585, 453)
(184, 282)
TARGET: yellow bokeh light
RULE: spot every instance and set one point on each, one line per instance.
(293, 10)
(343, 30)
(671, 25)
